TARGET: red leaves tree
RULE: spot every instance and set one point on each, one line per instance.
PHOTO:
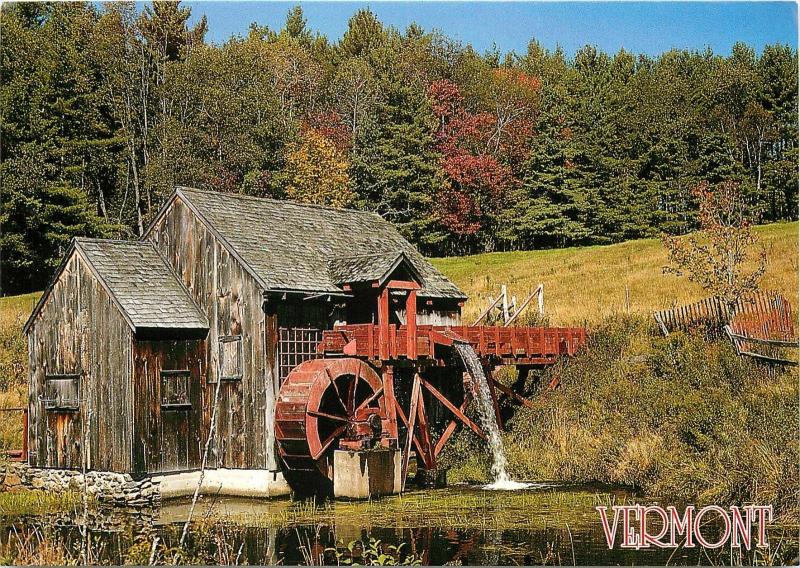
(477, 172)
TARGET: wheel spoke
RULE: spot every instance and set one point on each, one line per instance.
(351, 399)
(329, 440)
(336, 389)
(319, 414)
(375, 395)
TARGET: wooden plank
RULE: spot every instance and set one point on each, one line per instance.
(411, 325)
(491, 382)
(390, 401)
(428, 457)
(412, 418)
(383, 324)
(401, 415)
(451, 428)
(506, 390)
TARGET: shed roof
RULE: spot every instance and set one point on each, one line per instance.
(367, 267)
(287, 245)
(139, 281)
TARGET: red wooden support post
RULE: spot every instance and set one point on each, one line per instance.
(459, 413)
(411, 325)
(495, 403)
(388, 393)
(383, 324)
(404, 420)
(504, 389)
(451, 427)
(428, 457)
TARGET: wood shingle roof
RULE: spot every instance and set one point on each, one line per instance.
(139, 281)
(144, 286)
(288, 245)
(366, 268)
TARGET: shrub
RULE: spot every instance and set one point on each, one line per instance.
(676, 416)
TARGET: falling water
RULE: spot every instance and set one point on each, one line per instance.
(488, 420)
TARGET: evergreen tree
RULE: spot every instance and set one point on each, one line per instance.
(394, 165)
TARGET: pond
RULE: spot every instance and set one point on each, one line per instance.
(545, 524)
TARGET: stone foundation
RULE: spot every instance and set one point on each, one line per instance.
(105, 486)
(122, 489)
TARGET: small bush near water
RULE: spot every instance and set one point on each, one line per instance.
(678, 417)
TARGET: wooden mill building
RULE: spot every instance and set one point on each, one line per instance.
(131, 339)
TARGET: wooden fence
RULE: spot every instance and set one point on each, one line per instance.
(710, 313)
(761, 326)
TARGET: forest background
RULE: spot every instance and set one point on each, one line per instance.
(105, 108)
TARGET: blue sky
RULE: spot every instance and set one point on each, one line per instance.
(640, 27)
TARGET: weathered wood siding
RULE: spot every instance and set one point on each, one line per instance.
(80, 331)
(233, 302)
(169, 438)
(439, 315)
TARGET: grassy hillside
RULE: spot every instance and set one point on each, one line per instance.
(584, 284)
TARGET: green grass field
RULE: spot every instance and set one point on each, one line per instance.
(584, 284)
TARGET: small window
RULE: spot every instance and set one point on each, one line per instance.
(62, 392)
(175, 389)
(230, 357)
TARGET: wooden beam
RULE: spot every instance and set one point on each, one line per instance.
(411, 325)
(524, 305)
(487, 310)
(504, 389)
(402, 285)
(452, 408)
(389, 400)
(416, 392)
(491, 382)
(383, 324)
(428, 457)
(402, 416)
(451, 428)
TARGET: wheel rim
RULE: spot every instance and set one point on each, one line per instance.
(320, 402)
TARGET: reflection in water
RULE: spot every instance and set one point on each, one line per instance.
(464, 525)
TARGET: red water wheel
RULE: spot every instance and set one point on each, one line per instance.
(321, 402)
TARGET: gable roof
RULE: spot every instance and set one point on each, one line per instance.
(367, 267)
(286, 245)
(139, 281)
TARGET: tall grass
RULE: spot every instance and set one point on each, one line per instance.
(14, 311)
(589, 283)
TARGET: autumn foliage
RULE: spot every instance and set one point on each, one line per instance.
(478, 147)
(316, 172)
(723, 256)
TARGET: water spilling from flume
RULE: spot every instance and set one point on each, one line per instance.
(501, 479)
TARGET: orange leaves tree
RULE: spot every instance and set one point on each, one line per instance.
(723, 256)
(316, 172)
